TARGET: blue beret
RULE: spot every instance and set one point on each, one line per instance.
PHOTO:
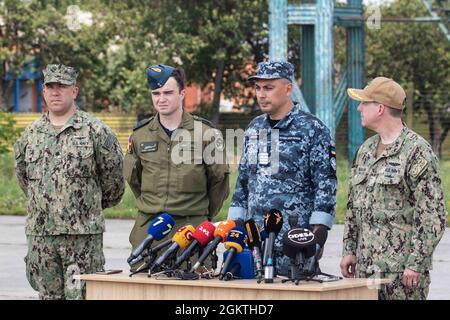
(158, 74)
(273, 70)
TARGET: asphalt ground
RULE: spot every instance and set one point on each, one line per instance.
(14, 285)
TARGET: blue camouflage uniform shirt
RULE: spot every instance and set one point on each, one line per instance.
(304, 184)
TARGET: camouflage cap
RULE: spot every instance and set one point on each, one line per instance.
(157, 75)
(60, 73)
(273, 70)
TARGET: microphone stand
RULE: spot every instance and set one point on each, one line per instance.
(298, 271)
(149, 257)
(214, 259)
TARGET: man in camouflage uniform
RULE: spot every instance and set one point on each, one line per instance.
(395, 216)
(69, 165)
(289, 159)
(165, 163)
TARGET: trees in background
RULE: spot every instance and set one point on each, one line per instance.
(112, 42)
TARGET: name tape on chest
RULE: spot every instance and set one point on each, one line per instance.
(149, 146)
(81, 141)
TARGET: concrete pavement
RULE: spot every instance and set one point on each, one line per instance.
(14, 285)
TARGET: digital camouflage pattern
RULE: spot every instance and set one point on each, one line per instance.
(68, 177)
(192, 188)
(273, 70)
(60, 73)
(52, 261)
(395, 290)
(395, 213)
(301, 182)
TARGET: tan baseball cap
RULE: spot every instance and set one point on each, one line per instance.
(382, 90)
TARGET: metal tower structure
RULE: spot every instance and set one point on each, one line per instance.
(319, 96)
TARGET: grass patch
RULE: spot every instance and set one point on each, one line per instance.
(13, 202)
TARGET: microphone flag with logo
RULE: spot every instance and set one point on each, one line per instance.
(220, 235)
(158, 228)
(235, 243)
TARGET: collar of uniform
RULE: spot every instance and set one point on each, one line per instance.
(284, 123)
(75, 121)
(154, 123)
(187, 122)
(44, 125)
(397, 144)
(390, 150)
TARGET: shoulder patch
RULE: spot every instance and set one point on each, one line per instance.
(109, 142)
(130, 145)
(333, 157)
(203, 120)
(418, 167)
(142, 123)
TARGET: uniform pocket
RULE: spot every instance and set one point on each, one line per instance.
(388, 191)
(28, 267)
(358, 182)
(80, 162)
(150, 170)
(33, 158)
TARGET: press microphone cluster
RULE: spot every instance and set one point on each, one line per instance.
(181, 239)
(220, 235)
(202, 235)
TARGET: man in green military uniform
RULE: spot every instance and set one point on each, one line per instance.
(167, 164)
(69, 165)
(396, 215)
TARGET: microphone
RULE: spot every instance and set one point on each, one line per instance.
(273, 221)
(201, 236)
(299, 244)
(239, 223)
(234, 244)
(234, 270)
(220, 235)
(321, 235)
(254, 242)
(293, 221)
(241, 267)
(152, 251)
(158, 229)
(181, 239)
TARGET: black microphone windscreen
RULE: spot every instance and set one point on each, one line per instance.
(321, 235)
(273, 221)
(299, 240)
(254, 236)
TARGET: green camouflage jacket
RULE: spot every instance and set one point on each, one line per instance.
(395, 211)
(68, 177)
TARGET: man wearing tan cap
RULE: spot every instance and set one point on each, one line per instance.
(396, 215)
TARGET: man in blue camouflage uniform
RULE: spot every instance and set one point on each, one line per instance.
(289, 159)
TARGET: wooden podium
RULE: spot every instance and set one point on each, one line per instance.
(141, 287)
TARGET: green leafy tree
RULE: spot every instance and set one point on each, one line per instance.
(414, 53)
(8, 133)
